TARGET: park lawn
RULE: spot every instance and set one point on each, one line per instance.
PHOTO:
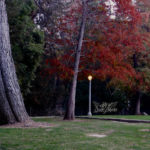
(135, 117)
(72, 135)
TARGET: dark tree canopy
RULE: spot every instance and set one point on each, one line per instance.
(26, 40)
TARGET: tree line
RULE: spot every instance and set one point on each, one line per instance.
(54, 44)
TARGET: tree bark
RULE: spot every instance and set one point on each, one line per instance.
(12, 107)
(139, 94)
(138, 104)
(70, 112)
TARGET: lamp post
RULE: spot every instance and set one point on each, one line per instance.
(90, 84)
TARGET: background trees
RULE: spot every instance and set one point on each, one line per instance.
(109, 45)
(115, 50)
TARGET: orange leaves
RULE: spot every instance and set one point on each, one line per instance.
(56, 67)
(113, 65)
(108, 45)
(128, 10)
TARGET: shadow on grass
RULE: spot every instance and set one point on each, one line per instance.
(2, 148)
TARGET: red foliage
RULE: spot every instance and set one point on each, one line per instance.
(108, 46)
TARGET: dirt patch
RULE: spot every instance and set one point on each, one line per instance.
(145, 130)
(97, 135)
(48, 130)
(30, 124)
(102, 135)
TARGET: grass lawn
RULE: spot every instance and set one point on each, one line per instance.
(74, 136)
(135, 117)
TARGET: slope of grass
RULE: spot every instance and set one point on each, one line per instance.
(73, 136)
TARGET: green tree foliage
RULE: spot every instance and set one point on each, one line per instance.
(26, 40)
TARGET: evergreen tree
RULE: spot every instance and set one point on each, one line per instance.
(26, 40)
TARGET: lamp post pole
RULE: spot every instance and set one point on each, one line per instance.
(90, 84)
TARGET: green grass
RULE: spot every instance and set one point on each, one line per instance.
(135, 117)
(73, 136)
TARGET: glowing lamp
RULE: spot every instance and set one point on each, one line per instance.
(90, 77)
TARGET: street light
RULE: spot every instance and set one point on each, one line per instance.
(90, 83)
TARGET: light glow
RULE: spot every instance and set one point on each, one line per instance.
(90, 77)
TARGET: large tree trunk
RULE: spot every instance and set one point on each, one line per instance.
(70, 112)
(138, 104)
(12, 107)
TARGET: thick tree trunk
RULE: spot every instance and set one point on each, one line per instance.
(70, 112)
(6, 114)
(12, 107)
(138, 104)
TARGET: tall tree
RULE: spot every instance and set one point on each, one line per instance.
(12, 107)
(70, 112)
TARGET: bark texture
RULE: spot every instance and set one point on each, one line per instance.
(70, 112)
(138, 104)
(139, 93)
(12, 107)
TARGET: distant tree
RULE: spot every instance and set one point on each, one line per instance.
(141, 59)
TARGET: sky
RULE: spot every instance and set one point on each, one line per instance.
(111, 4)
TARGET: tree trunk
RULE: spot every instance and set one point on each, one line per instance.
(70, 112)
(138, 104)
(12, 107)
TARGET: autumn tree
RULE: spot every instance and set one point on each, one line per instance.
(141, 58)
(48, 18)
(107, 51)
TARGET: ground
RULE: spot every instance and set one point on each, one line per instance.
(135, 117)
(77, 135)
